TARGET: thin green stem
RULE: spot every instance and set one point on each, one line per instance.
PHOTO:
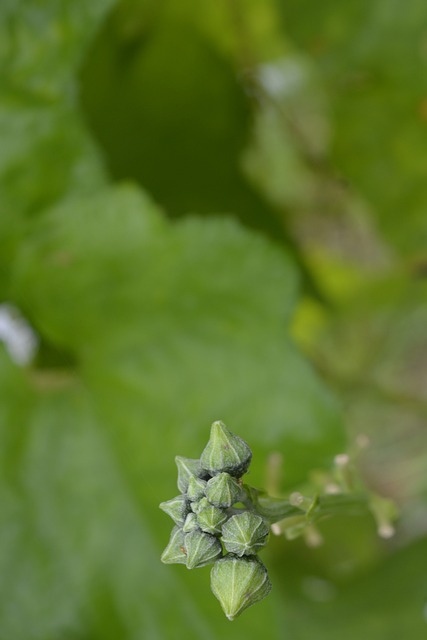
(343, 503)
(277, 509)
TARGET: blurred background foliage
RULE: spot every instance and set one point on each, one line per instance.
(209, 210)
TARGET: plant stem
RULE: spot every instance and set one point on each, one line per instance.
(277, 509)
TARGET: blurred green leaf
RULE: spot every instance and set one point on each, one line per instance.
(372, 59)
(151, 329)
(374, 350)
(382, 604)
(31, 31)
(186, 328)
(78, 557)
(190, 315)
(164, 100)
(45, 152)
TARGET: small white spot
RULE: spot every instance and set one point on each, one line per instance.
(342, 459)
(362, 441)
(386, 531)
(296, 499)
(283, 78)
(332, 488)
(313, 538)
(19, 338)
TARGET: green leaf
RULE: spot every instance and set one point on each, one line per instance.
(180, 120)
(45, 153)
(72, 536)
(158, 328)
(189, 298)
(30, 31)
(382, 603)
(169, 326)
(368, 60)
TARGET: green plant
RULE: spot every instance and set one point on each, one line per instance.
(146, 150)
(220, 520)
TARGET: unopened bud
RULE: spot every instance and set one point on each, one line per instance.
(225, 452)
(177, 509)
(201, 549)
(175, 551)
(238, 583)
(223, 490)
(211, 520)
(196, 489)
(187, 468)
(244, 533)
(199, 505)
(190, 523)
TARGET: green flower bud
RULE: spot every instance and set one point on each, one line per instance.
(187, 468)
(211, 520)
(196, 489)
(175, 551)
(190, 523)
(223, 490)
(201, 549)
(225, 452)
(238, 583)
(177, 508)
(244, 534)
(199, 505)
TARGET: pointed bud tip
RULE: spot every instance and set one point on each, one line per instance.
(175, 552)
(223, 490)
(218, 425)
(201, 549)
(211, 519)
(245, 534)
(238, 583)
(177, 508)
(187, 469)
(225, 452)
(196, 488)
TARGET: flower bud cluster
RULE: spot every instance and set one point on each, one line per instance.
(209, 530)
